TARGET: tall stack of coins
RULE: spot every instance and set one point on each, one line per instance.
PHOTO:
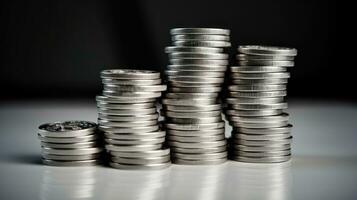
(193, 114)
(261, 131)
(70, 143)
(127, 114)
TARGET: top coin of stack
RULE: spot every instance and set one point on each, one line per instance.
(70, 143)
(193, 114)
(128, 116)
(261, 132)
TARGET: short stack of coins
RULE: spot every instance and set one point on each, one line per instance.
(127, 114)
(70, 143)
(261, 130)
(191, 108)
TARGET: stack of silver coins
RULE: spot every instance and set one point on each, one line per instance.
(127, 114)
(70, 143)
(261, 131)
(191, 107)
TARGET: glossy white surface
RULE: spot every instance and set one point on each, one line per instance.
(324, 165)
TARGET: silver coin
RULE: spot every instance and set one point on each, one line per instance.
(128, 95)
(269, 94)
(199, 133)
(71, 152)
(140, 167)
(200, 162)
(127, 112)
(109, 81)
(71, 158)
(200, 80)
(262, 154)
(200, 43)
(201, 37)
(273, 81)
(212, 89)
(65, 140)
(127, 124)
(277, 75)
(125, 106)
(264, 57)
(138, 136)
(130, 148)
(278, 106)
(260, 124)
(150, 141)
(266, 62)
(194, 73)
(189, 109)
(194, 145)
(199, 156)
(67, 129)
(202, 114)
(254, 113)
(188, 139)
(132, 130)
(199, 150)
(129, 74)
(267, 50)
(192, 127)
(123, 100)
(274, 147)
(198, 83)
(279, 130)
(77, 145)
(142, 154)
(140, 117)
(203, 120)
(173, 49)
(198, 62)
(70, 163)
(189, 102)
(141, 161)
(272, 159)
(257, 69)
(143, 88)
(261, 137)
(263, 142)
(254, 100)
(276, 118)
(199, 31)
(190, 95)
(189, 55)
(256, 88)
(210, 68)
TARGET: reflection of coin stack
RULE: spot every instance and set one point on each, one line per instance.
(136, 185)
(193, 114)
(128, 116)
(199, 183)
(261, 132)
(70, 143)
(272, 181)
(68, 183)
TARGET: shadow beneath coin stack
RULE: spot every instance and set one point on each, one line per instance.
(34, 159)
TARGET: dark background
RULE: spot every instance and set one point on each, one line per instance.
(57, 48)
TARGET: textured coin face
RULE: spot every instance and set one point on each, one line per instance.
(67, 126)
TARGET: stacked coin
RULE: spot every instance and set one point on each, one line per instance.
(70, 143)
(261, 131)
(191, 107)
(129, 119)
